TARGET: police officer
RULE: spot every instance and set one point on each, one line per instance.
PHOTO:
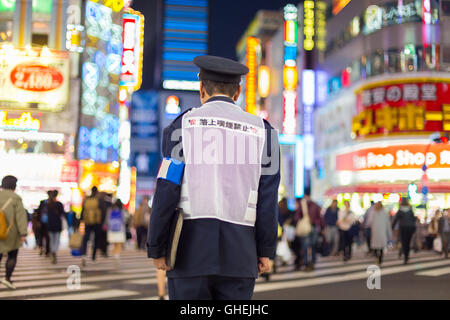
(221, 168)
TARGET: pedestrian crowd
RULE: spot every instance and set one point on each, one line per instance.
(305, 233)
(103, 221)
(335, 231)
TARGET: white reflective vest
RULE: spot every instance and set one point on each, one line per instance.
(222, 148)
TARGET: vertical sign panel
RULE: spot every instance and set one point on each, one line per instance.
(250, 83)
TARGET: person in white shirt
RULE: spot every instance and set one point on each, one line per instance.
(381, 230)
(346, 219)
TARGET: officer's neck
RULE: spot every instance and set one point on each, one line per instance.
(217, 97)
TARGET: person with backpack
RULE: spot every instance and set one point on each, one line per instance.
(13, 226)
(44, 236)
(55, 216)
(116, 227)
(91, 215)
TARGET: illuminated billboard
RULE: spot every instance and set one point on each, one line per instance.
(250, 78)
(290, 74)
(101, 71)
(185, 36)
(409, 106)
(133, 45)
(34, 78)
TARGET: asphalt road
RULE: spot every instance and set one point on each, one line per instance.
(427, 276)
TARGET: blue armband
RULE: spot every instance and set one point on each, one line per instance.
(171, 170)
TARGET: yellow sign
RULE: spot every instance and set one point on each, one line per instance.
(115, 5)
(390, 119)
(24, 122)
(321, 25)
(251, 84)
(308, 25)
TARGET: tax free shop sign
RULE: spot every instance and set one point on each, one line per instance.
(395, 157)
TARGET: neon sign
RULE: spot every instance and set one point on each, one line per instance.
(251, 84)
(308, 22)
(321, 23)
(24, 122)
(35, 77)
(133, 42)
(102, 59)
(115, 5)
(289, 112)
(100, 144)
(264, 81)
(173, 106)
(290, 76)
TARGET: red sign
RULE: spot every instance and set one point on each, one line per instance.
(69, 172)
(129, 35)
(409, 107)
(395, 157)
(36, 77)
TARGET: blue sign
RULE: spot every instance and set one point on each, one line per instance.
(144, 117)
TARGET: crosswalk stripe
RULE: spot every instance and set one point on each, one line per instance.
(44, 290)
(342, 269)
(36, 277)
(338, 262)
(434, 272)
(18, 277)
(107, 294)
(342, 278)
(86, 279)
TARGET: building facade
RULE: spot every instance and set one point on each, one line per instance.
(63, 125)
(382, 92)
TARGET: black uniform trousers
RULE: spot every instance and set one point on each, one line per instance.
(211, 288)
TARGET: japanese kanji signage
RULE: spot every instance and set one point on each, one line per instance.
(395, 157)
(401, 108)
(225, 124)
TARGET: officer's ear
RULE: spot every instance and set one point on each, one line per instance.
(238, 93)
(202, 92)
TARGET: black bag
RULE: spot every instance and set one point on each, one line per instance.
(354, 230)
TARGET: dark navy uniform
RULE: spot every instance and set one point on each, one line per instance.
(223, 233)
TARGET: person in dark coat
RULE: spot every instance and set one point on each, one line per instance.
(36, 227)
(230, 209)
(331, 230)
(42, 213)
(105, 202)
(55, 215)
(444, 231)
(407, 226)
